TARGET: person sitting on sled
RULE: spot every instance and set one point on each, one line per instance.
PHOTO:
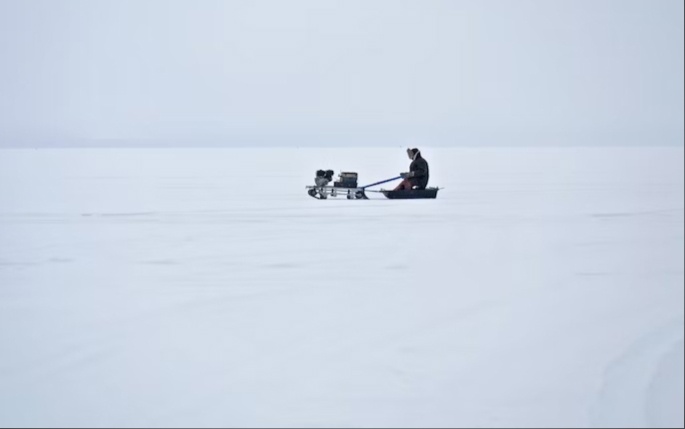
(417, 178)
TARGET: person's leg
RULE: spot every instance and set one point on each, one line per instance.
(404, 185)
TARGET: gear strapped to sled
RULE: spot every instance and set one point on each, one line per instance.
(346, 185)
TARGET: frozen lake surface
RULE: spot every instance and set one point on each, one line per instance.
(543, 288)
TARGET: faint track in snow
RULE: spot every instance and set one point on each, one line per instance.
(661, 212)
(122, 214)
(65, 360)
(637, 386)
(666, 389)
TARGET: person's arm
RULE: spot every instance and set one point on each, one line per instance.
(420, 170)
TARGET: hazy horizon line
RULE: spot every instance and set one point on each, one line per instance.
(206, 145)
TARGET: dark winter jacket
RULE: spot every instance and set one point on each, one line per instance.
(419, 172)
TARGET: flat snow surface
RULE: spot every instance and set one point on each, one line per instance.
(544, 287)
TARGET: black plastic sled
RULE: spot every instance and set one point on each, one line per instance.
(414, 194)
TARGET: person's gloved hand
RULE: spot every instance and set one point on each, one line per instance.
(405, 175)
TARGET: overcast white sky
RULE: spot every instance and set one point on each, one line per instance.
(347, 72)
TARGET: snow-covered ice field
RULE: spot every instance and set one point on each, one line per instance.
(178, 287)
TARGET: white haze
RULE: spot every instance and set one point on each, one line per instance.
(341, 73)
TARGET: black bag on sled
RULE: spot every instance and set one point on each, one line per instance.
(346, 180)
